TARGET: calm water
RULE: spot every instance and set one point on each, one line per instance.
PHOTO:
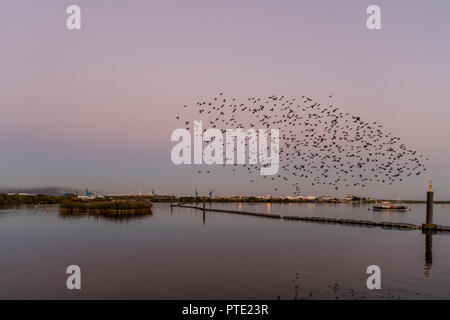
(183, 254)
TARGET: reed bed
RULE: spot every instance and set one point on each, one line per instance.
(109, 208)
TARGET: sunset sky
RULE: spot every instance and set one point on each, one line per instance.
(95, 108)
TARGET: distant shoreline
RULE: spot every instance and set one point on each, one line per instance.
(6, 199)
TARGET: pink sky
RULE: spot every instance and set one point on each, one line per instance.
(96, 107)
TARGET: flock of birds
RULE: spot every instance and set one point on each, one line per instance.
(319, 144)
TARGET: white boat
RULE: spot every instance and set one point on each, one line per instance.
(386, 205)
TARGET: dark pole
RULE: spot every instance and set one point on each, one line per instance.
(204, 207)
(430, 200)
(428, 225)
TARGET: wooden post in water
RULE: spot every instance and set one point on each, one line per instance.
(430, 202)
(204, 212)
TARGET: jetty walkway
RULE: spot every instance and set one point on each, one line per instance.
(362, 223)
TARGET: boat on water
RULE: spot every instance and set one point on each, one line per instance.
(386, 205)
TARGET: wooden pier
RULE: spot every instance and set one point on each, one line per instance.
(256, 214)
(350, 222)
(427, 227)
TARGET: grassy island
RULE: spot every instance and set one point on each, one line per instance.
(107, 208)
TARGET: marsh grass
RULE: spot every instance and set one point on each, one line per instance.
(118, 208)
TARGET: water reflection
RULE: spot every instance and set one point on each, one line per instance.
(140, 257)
(428, 234)
(114, 217)
(428, 252)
